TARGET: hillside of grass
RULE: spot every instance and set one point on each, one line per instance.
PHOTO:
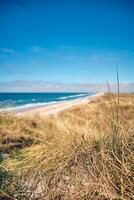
(86, 152)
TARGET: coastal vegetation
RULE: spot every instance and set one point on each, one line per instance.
(85, 152)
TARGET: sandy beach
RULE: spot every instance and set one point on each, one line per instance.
(53, 109)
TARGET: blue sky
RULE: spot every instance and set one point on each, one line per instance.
(66, 42)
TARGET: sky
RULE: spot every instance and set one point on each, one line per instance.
(64, 45)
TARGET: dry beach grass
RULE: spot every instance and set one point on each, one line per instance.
(85, 152)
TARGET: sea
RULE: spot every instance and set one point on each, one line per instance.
(10, 101)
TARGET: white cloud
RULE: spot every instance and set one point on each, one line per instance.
(45, 86)
(37, 49)
(9, 51)
(67, 57)
(111, 57)
(99, 57)
(61, 56)
(94, 57)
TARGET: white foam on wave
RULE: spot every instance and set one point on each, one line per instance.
(72, 96)
(27, 106)
(20, 100)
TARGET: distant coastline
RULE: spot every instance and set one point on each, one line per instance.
(16, 102)
(54, 108)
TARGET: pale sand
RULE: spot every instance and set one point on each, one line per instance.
(53, 109)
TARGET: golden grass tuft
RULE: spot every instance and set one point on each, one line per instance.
(86, 152)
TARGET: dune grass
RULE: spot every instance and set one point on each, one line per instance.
(86, 152)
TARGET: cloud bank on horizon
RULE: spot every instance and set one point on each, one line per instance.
(45, 86)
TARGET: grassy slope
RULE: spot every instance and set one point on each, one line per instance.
(86, 152)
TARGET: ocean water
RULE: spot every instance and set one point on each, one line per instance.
(27, 100)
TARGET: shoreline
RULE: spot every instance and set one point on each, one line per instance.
(54, 108)
(37, 104)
